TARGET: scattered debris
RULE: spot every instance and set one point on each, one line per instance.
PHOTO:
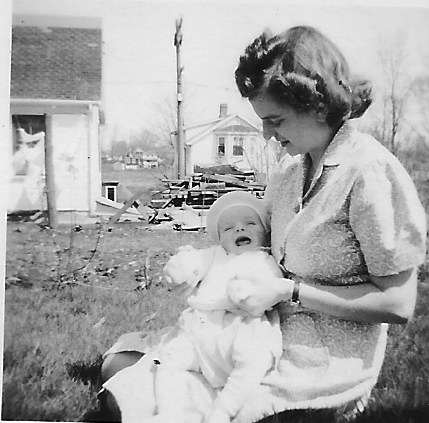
(99, 323)
(21, 281)
(184, 202)
(181, 205)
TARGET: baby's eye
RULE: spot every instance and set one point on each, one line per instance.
(251, 222)
(228, 228)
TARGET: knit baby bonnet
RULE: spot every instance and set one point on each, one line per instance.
(232, 199)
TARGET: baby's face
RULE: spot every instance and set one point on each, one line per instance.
(240, 229)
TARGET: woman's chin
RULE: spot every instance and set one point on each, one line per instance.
(290, 149)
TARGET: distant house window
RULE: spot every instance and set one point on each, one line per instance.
(237, 147)
(221, 146)
(111, 193)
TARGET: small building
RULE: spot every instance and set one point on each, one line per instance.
(229, 140)
(118, 166)
(150, 161)
(56, 67)
(137, 158)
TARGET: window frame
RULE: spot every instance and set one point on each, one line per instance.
(219, 153)
(239, 146)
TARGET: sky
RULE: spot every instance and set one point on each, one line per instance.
(139, 61)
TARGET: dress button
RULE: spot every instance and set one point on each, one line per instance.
(282, 251)
(297, 208)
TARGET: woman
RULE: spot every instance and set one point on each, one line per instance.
(348, 230)
(347, 225)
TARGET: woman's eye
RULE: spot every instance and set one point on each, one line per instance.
(275, 122)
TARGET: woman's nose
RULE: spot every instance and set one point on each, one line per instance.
(267, 131)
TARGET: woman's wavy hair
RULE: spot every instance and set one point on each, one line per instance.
(301, 68)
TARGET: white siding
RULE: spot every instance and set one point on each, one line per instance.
(70, 135)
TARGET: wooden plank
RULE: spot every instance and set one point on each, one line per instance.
(125, 207)
(231, 180)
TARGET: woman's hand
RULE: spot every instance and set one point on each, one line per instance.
(265, 295)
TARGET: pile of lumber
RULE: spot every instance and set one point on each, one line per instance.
(201, 190)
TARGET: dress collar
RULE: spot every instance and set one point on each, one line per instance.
(335, 153)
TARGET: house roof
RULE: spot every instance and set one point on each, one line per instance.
(31, 106)
(56, 62)
(237, 128)
(230, 123)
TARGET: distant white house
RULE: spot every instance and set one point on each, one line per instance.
(229, 139)
(138, 158)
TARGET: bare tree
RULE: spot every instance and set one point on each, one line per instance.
(397, 90)
(420, 94)
(145, 139)
(166, 125)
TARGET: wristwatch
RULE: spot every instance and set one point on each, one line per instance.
(294, 301)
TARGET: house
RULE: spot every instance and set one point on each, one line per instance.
(138, 158)
(229, 140)
(56, 68)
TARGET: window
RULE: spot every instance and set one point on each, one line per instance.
(237, 148)
(28, 144)
(111, 193)
(221, 146)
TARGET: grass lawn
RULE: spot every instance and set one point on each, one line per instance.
(71, 293)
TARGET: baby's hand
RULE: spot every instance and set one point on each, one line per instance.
(256, 266)
(185, 266)
(266, 295)
(240, 290)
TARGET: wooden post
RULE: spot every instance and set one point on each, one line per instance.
(180, 132)
(49, 175)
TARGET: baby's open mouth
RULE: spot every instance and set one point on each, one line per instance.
(242, 240)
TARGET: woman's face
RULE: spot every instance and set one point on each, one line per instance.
(240, 229)
(299, 133)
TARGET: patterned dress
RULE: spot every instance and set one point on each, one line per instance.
(360, 216)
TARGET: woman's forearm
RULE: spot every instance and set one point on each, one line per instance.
(388, 299)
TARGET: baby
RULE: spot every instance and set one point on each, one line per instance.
(233, 352)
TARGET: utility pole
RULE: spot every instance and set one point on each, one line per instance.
(180, 133)
(49, 174)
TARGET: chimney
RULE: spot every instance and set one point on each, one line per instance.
(223, 110)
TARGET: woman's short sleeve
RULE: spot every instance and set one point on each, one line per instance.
(387, 218)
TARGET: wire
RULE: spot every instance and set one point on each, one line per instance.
(169, 82)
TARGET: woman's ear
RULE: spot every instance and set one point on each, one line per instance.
(321, 113)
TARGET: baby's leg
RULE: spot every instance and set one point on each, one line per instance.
(131, 391)
(171, 388)
(118, 361)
